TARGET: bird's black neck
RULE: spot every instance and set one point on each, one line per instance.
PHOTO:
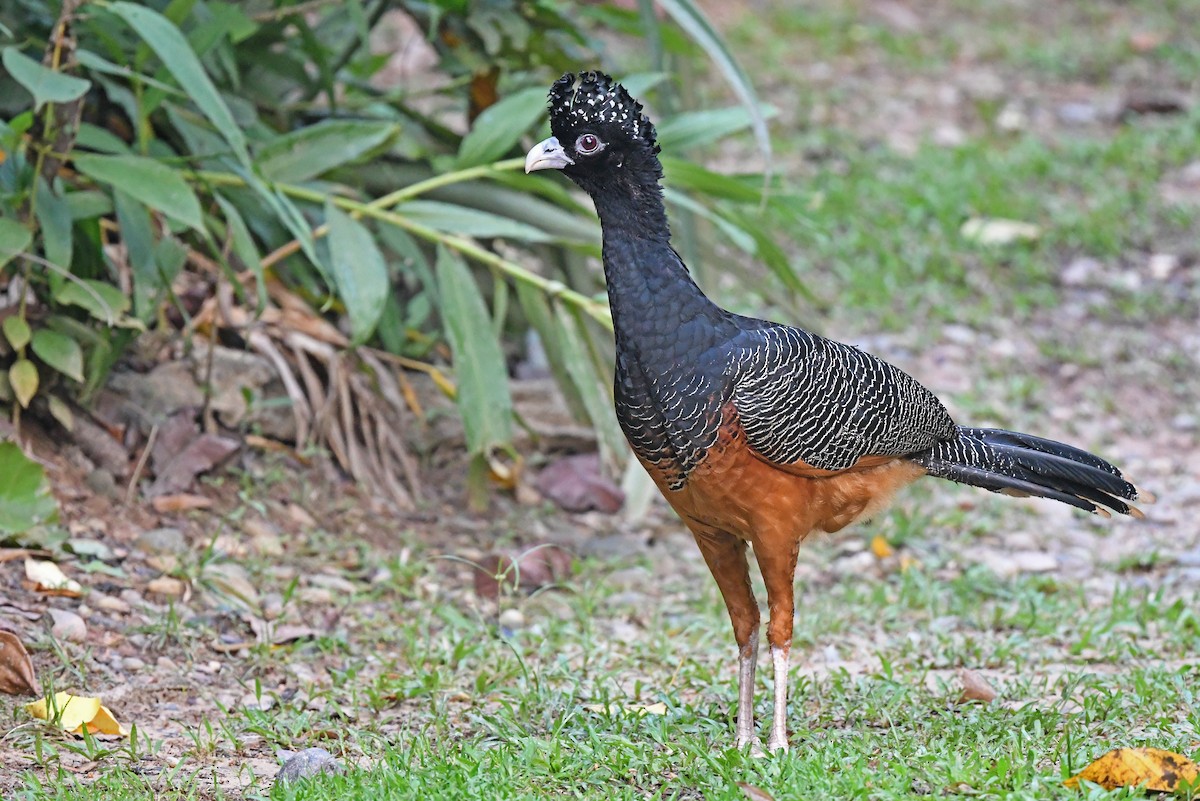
(650, 291)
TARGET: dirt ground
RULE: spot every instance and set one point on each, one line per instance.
(175, 629)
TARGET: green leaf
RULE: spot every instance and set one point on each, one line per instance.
(300, 155)
(54, 216)
(465, 221)
(593, 390)
(498, 128)
(691, 19)
(173, 50)
(60, 352)
(14, 239)
(686, 175)
(25, 498)
(102, 300)
(152, 182)
(16, 331)
(358, 270)
(695, 128)
(483, 395)
(23, 377)
(46, 85)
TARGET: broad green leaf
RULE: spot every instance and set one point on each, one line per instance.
(686, 175)
(691, 19)
(101, 299)
(538, 312)
(46, 85)
(23, 377)
(14, 239)
(97, 63)
(25, 498)
(466, 221)
(639, 83)
(16, 331)
(695, 128)
(358, 270)
(60, 352)
(153, 183)
(54, 216)
(498, 128)
(300, 155)
(138, 235)
(172, 48)
(88, 204)
(483, 395)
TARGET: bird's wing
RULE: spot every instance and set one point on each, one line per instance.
(816, 406)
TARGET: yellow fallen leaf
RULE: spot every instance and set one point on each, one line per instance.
(634, 709)
(47, 577)
(77, 711)
(1132, 767)
(880, 547)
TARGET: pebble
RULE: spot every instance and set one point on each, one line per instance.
(102, 482)
(162, 541)
(512, 619)
(306, 764)
(132, 664)
(629, 578)
(68, 626)
(1078, 114)
(1081, 271)
(1161, 265)
(166, 585)
(108, 603)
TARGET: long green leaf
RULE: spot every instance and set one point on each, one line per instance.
(691, 19)
(172, 48)
(46, 85)
(54, 216)
(14, 239)
(592, 389)
(300, 155)
(483, 395)
(695, 128)
(359, 271)
(243, 246)
(466, 221)
(498, 128)
(152, 182)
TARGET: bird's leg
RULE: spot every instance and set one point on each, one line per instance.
(747, 662)
(725, 556)
(778, 567)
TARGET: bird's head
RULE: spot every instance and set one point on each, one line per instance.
(602, 140)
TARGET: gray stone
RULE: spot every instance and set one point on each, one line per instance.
(162, 541)
(306, 764)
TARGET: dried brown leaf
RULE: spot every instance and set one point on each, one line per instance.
(755, 793)
(1151, 768)
(975, 687)
(201, 455)
(577, 484)
(16, 668)
(183, 502)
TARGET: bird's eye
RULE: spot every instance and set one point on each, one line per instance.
(587, 144)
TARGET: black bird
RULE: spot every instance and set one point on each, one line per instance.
(755, 432)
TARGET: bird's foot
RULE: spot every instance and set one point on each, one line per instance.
(756, 749)
(777, 743)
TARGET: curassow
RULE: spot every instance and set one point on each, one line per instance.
(759, 433)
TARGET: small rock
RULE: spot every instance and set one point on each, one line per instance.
(1012, 118)
(512, 619)
(272, 606)
(68, 626)
(165, 663)
(110, 604)
(306, 764)
(1184, 422)
(949, 136)
(102, 482)
(1080, 272)
(132, 664)
(1078, 114)
(1034, 561)
(1161, 265)
(166, 585)
(162, 541)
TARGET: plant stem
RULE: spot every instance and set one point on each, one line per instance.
(374, 210)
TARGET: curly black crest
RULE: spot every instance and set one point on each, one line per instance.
(598, 100)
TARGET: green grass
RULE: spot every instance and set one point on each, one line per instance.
(434, 701)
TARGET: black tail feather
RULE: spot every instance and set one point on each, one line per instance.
(1015, 463)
